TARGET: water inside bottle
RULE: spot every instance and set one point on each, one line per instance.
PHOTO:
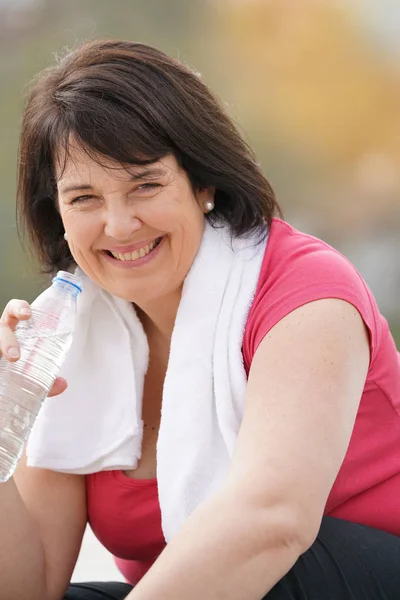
(25, 384)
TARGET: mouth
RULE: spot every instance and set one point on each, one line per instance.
(136, 254)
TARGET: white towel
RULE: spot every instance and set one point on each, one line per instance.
(96, 423)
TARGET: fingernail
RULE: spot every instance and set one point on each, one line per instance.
(13, 352)
(25, 311)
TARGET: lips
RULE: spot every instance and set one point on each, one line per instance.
(135, 254)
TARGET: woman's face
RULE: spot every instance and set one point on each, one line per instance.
(136, 231)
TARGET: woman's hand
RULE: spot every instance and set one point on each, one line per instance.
(15, 311)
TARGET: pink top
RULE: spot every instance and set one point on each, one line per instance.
(124, 513)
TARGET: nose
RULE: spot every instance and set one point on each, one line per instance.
(120, 223)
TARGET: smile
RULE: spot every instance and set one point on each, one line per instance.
(135, 255)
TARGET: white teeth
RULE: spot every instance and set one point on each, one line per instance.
(136, 254)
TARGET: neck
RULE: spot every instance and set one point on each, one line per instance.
(158, 318)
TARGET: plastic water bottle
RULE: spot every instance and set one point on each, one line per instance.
(44, 341)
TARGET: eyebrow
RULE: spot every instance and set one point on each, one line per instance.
(143, 174)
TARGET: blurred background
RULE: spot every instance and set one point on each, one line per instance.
(313, 85)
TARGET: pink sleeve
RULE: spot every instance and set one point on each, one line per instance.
(313, 272)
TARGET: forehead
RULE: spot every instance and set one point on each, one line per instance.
(75, 161)
(75, 164)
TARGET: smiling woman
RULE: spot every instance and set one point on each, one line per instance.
(148, 217)
(231, 423)
(121, 93)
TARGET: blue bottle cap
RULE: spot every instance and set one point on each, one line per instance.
(70, 278)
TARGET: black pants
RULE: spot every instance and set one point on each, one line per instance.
(346, 562)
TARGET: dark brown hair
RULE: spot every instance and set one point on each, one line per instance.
(134, 104)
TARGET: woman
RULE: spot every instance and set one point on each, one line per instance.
(130, 170)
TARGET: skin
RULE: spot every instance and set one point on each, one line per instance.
(297, 424)
(116, 211)
(42, 513)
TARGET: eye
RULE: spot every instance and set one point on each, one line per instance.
(148, 187)
(81, 199)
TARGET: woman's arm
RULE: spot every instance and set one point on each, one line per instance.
(304, 388)
(42, 513)
(42, 520)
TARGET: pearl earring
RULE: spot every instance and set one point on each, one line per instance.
(209, 205)
(65, 236)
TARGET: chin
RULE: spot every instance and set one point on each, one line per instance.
(131, 295)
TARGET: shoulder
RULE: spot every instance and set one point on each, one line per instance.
(292, 254)
(299, 268)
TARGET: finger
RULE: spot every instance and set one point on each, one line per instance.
(9, 346)
(59, 386)
(15, 311)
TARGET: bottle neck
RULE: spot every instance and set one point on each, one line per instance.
(69, 282)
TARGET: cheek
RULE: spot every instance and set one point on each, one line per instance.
(81, 244)
(188, 238)
(82, 229)
(173, 210)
